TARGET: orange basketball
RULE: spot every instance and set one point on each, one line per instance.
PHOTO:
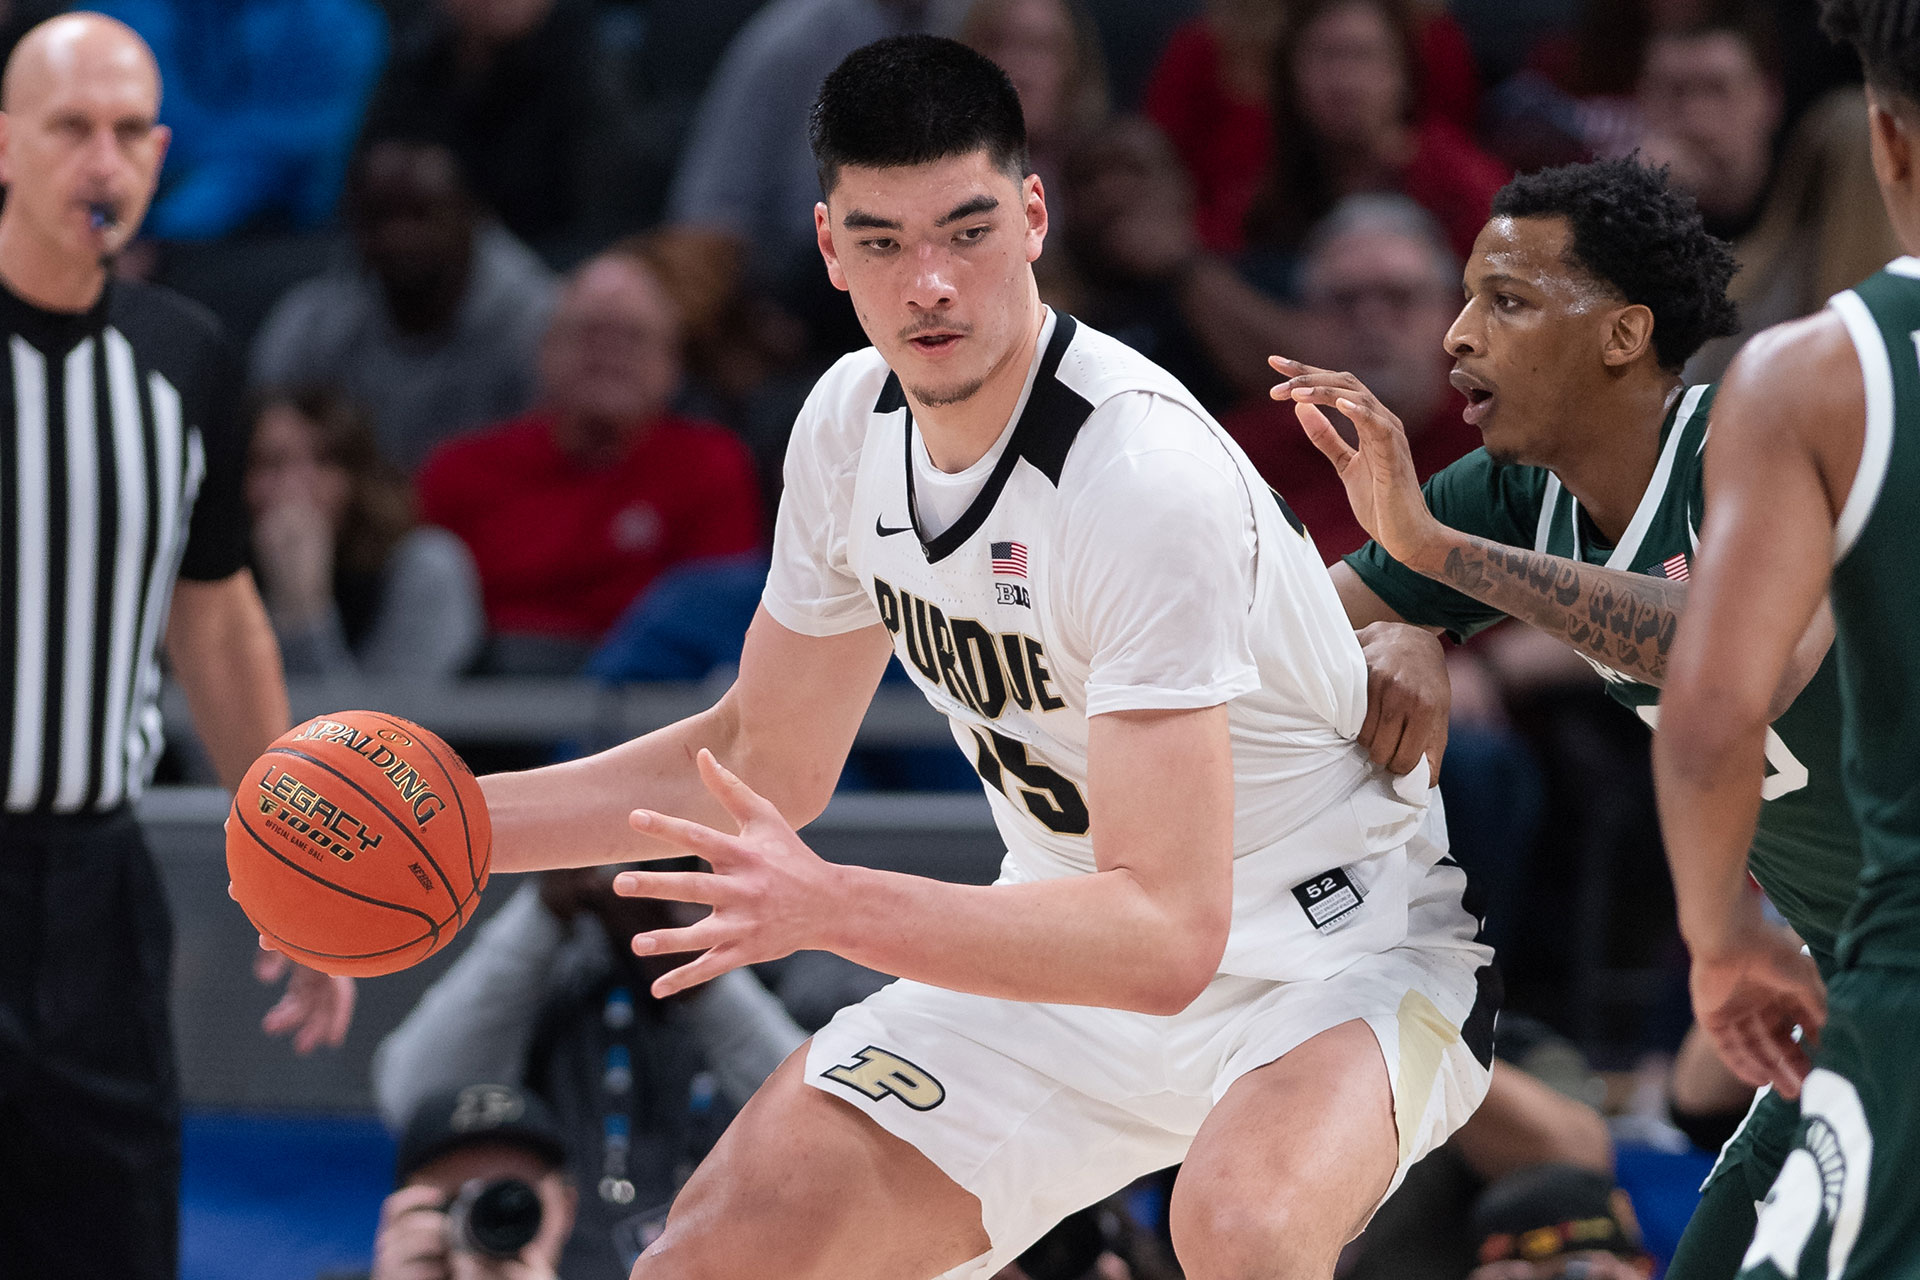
(358, 843)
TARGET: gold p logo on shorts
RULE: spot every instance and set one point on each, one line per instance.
(877, 1073)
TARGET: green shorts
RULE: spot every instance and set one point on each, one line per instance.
(1846, 1205)
(1721, 1227)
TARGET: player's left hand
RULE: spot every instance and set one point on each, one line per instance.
(1749, 993)
(316, 1007)
(1382, 486)
(771, 895)
(1408, 697)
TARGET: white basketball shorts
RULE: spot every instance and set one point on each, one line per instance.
(1039, 1109)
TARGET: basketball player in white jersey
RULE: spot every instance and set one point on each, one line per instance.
(1221, 934)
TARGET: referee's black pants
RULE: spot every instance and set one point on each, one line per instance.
(89, 1099)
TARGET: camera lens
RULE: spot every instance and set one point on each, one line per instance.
(496, 1219)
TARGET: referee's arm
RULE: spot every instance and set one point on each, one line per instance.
(220, 645)
(221, 649)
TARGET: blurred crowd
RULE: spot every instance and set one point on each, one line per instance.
(541, 274)
(529, 295)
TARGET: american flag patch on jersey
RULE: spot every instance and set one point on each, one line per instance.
(1009, 559)
(1673, 568)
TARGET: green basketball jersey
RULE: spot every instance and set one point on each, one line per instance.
(1806, 851)
(1876, 610)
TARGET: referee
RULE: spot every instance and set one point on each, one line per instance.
(120, 471)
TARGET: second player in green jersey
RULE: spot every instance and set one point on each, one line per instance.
(1586, 293)
(1813, 477)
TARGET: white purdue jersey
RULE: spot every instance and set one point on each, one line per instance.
(1123, 554)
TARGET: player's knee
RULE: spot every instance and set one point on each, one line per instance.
(686, 1248)
(1241, 1237)
(687, 1254)
(704, 1239)
(662, 1261)
(743, 1213)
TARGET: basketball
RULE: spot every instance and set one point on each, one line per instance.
(358, 843)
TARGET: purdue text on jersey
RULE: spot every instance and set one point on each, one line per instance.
(980, 667)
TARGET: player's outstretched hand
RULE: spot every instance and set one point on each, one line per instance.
(1750, 994)
(316, 1007)
(1382, 485)
(770, 893)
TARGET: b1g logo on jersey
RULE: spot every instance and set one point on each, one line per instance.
(982, 669)
(876, 1073)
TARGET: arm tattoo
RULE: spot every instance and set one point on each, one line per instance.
(1622, 620)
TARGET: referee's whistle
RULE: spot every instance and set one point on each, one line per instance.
(102, 216)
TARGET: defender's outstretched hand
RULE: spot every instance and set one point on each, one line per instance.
(1382, 485)
(1750, 994)
(316, 1007)
(771, 895)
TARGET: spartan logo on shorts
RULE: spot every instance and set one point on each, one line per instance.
(878, 1073)
(1811, 1218)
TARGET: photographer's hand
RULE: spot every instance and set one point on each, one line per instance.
(413, 1244)
(412, 1240)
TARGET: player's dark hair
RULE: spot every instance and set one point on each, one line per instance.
(1886, 35)
(1641, 238)
(910, 100)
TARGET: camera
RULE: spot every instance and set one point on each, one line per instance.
(495, 1218)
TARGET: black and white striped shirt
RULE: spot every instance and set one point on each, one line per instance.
(120, 468)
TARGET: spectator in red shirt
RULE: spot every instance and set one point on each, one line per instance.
(1211, 94)
(1381, 287)
(573, 509)
(1345, 99)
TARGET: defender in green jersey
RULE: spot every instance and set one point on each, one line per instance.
(1586, 292)
(1813, 481)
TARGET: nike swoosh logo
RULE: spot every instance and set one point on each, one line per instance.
(880, 527)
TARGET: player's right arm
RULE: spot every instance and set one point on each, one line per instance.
(1144, 930)
(784, 727)
(1625, 621)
